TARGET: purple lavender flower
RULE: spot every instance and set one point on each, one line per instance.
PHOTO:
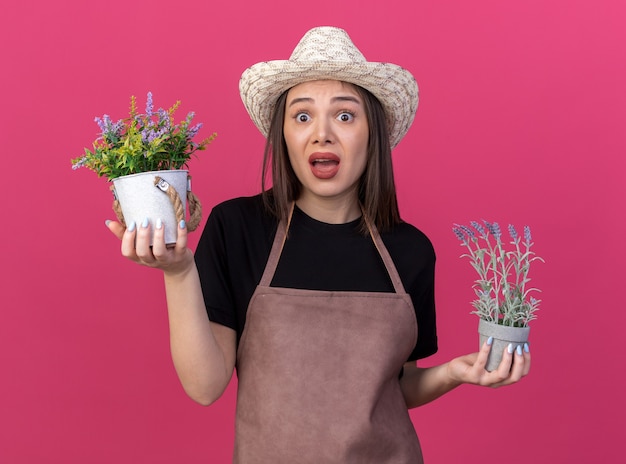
(150, 133)
(100, 123)
(80, 163)
(527, 236)
(110, 130)
(459, 234)
(494, 229)
(149, 105)
(164, 117)
(156, 134)
(469, 232)
(513, 233)
(106, 120)
(139, 122)
(479, 228)
(146, 129)
(194, 130)
(118, 127)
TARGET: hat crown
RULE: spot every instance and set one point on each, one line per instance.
(326, 44)
(328, 53)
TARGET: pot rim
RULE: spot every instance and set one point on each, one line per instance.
(162, 171)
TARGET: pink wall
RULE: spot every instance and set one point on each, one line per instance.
(522, 119)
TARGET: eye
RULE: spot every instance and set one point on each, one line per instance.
(345, 116)
(302, 117)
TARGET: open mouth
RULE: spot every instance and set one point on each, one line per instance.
(324, 165)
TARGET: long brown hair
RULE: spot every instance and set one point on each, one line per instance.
(376, 191)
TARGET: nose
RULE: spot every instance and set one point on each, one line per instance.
(323, 132)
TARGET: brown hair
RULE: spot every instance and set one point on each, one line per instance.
(376, 192)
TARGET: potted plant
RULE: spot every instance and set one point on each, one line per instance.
(504, 303)
(143, 155)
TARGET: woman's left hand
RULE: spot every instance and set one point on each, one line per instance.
(471, 368)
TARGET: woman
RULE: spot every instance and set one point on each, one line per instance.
(315, 290)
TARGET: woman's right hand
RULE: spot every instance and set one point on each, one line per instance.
(172, 259)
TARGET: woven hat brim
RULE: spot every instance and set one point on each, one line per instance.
(395, 87)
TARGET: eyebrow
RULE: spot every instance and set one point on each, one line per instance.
(339, 98)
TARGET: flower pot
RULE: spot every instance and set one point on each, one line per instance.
(502, 337)
(141, 197)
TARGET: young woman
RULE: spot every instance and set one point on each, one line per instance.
(315, 290)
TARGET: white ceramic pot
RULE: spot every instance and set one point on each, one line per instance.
(502, 337)
(141, 199)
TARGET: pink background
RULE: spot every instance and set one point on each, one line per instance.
(522, 119)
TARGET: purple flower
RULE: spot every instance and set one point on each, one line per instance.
(80, 163)
(527, 236)
(106, 120)
(100, 123)
(159, 133)
(146, 129)
(494, 229)
(469, 232)
(149, 105)
(164, 116)
(194, 130)
(513, 233)
(117, 127)
(479, 228)
(151, 133)
(459, 234)
(110, 131)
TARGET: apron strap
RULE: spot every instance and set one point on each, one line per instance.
(386, 257)
(277, 249)
(281, 237)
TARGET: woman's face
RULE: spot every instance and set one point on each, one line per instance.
(326, 132)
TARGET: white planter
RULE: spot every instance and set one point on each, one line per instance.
(502, 337)
(141, 199)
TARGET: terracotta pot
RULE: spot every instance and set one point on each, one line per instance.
(502, 337)
(141, 199)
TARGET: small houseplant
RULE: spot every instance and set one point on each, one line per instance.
(505, 304)
(143, 155)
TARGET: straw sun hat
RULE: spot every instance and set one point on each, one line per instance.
(328, 53)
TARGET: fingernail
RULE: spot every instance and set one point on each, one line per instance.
(489, 341)
(519, 350)
(510, 348)
(145, 223)
(131, 226)
(159, 223)
(182, 224)
(526, 348)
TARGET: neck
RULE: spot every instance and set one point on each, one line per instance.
(331, 211)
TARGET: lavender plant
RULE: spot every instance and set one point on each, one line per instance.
(142, 142)
(503, 296)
